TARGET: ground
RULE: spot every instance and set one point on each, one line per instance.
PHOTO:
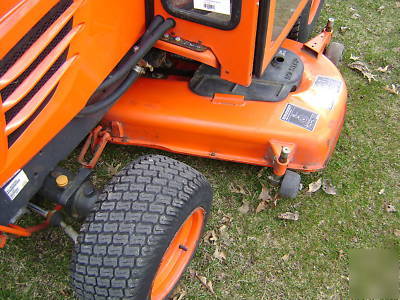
(269, 258)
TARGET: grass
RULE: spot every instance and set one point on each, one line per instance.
(268, 258)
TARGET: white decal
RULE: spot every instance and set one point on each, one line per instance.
(217, 6)
(16, 184)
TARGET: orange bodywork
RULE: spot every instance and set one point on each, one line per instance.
(166, 114)
(102, 31)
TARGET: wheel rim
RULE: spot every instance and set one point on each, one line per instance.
(313, 10)
(178, 255)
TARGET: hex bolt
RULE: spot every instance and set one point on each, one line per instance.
(177, 39)
(183, 248)
(283, 158)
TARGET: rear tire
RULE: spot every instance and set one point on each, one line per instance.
(122, 244)
(304, 26)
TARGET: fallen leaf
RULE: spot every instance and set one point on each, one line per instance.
(353, 57)
(210, 237)
(363, 69)
(265, 198)
(178, 294)
(343, 29)
(285, 257)
(396, 232)
(341, 253)
(328, 187)
(245, 208)
(392, 89)
(355, 16)
(261, 172)
(206, 283)
(219, 254)
(390, 208)
(113, 169)
(289, 216)
(261, 206)
(352, 9)
(381, 192)
(383, 70)
(381, 8)
(314, 186)
(238, 189)
(398, 4)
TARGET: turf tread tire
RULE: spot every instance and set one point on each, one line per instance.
(122, 241)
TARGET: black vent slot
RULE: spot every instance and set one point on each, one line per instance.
(19, 49)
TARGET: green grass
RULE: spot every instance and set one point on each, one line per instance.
(268, 258)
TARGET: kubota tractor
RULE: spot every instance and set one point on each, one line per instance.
(235, 80)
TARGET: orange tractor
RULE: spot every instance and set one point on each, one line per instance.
(226, 79)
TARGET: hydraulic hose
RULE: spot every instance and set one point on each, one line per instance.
(152, 35)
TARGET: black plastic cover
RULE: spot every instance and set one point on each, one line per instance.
(281, 77)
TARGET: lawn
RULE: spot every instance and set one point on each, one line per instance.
(266, 257)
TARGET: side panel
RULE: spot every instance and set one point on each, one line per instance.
(234, 49)
(109, 29)
(277, 18)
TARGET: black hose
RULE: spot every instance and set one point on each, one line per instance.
(143, 48)
(131, 62)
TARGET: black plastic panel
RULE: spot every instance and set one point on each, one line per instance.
(280, 78)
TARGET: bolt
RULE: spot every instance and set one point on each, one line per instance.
(177, 39)
(284, 155)
(62, 181)
(166, 35)
(183, 248)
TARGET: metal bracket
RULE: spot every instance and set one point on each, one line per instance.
(96, 141)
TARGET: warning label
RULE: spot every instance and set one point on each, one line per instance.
(16, 184)
(330, 87)
(218, 6)
(300, 117)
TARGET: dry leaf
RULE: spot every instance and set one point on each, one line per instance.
(328, 187)
(239, 189)
(219, 254)
(353, 57)
(381, 8)
(315, 186)
(206, 283)
(261, 172)
(343, 29)
(352, 9)
(392, 89)
(383, 70)
(261, 206)
(179, 293)
(210, 237)
(390, 208)
(265, 198)
(341, 253)
(381, 192)
(285, 257)
(245, 208)
(113, 169)
(289, 216)
(396, 232)
(355, 16)
(398, 4)
(363, 69)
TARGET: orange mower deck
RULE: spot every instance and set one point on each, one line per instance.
(166, 114)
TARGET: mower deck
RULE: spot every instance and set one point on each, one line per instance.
(166, 114)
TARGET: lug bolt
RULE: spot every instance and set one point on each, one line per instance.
(283, 158)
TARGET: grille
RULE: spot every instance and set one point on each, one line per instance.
(31, 70)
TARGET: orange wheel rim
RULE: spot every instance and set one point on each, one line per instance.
(178, 255)
(313, 10)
